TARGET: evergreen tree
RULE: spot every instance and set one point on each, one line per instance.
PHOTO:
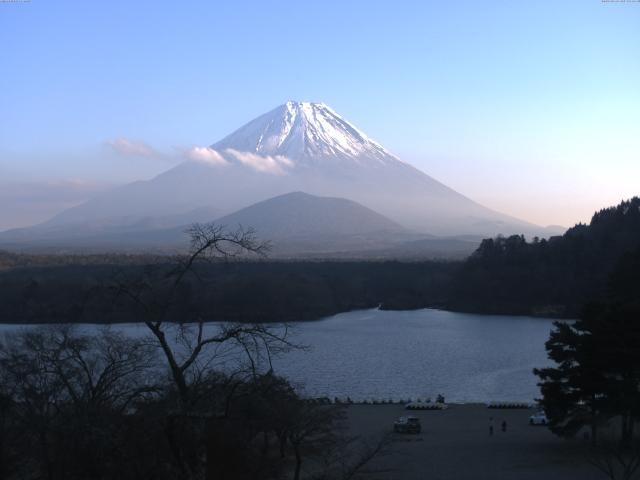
(547, 277)
(574, 392)
(597, 376)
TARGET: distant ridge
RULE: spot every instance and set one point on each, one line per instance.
(300, 215)
(296, 147)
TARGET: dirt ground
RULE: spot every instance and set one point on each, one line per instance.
(455, 444)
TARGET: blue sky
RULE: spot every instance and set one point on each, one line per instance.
(532, 108)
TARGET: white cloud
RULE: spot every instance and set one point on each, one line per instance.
(205, 155)
(127, 147)
(267, 164)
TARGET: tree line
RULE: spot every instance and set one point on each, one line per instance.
(595, 382)
(185, 401)
(507, 275)
(551, 277)
(224, 290)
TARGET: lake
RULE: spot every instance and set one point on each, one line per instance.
(375, 354)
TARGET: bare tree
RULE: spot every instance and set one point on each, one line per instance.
(313, 429)
(69, 391)
(617, 460)
(191, 348)
(318, 436)
(357, 454)
(185, 341)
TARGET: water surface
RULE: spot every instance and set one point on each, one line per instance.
(398, 354)
(374, 354)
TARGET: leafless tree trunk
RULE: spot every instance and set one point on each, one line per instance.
(189, 357)
(617, 460)
(155, 296)
(66, 387)
(368, 452)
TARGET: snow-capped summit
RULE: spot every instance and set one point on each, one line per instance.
(305, 132)
(296, 147)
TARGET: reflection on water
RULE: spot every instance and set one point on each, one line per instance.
(373, 354)
(384, 354)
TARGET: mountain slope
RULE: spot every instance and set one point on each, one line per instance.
(298, 146)
(300, 215)
(74, 232)
(302, 225)
(304, 131)
(297, 225)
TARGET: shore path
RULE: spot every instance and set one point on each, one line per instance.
(455, 445)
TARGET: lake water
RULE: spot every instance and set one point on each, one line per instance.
(374, 354)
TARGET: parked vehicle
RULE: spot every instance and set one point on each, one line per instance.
(538, 418)
(407, 425)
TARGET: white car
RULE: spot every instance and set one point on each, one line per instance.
(538, 418)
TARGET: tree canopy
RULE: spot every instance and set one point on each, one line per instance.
(597, 372)
(553, 277)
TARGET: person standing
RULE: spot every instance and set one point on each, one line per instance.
(490, 426)
(504, 426)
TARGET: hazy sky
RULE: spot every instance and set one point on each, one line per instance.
(531, 108)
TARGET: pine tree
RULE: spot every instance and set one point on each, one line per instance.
(597, 376)
(574, 392)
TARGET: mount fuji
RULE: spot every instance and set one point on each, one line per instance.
(296, 147)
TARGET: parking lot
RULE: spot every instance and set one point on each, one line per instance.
(456, 444)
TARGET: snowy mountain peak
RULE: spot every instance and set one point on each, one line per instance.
(305, 132)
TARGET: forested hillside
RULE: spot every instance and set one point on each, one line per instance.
(509, 275)
(239, 291)
(548, 277)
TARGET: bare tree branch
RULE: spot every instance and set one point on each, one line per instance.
(155, 292)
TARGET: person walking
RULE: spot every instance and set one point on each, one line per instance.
(504, 426)
(490, 426)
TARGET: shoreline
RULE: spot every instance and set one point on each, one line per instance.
(380, 308)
